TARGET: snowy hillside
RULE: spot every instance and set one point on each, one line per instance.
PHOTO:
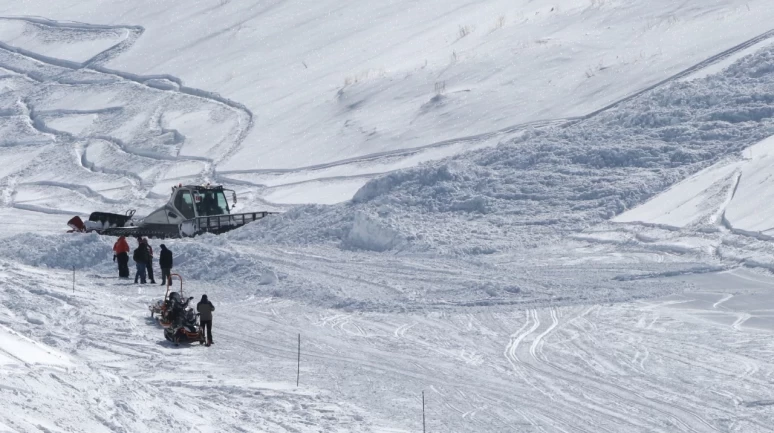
(557, 179)
(559, 216)
(299, 102)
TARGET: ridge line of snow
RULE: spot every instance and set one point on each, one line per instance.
(405, 151)
(723, 220)
(697, 67)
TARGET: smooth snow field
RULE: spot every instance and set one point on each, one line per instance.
(527, 216)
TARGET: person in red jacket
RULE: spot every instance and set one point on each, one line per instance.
(121, 254)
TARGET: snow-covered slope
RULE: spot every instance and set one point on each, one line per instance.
(735, 193)
(531, 340)
(557, 179)
(333, 92)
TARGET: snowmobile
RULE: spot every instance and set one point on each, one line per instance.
(163, 307)
(184, 326)
(180, 323)
(190, 211)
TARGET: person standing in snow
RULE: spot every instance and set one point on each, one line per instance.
(121, 253)
(165, 263)
(141, 258)
(205, 309)
(149, 263)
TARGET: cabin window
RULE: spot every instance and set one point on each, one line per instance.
(184, 204)
(222, 203)
(211, 203)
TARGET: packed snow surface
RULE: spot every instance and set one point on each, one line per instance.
(545, 350)
(559, 215)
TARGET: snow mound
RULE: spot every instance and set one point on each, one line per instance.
(268, 278)
(368, 234)
(301, 224)
(347, 226)
(206, 258)
(210, 259)
(65, 251)
(438, 180)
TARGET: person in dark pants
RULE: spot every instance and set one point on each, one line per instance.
(141, 261)
(205, 309)
(165, 263)
(121, 253)
(149, 263)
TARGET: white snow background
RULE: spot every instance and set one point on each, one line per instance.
(546, 216)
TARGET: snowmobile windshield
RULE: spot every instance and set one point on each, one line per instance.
(211, 203)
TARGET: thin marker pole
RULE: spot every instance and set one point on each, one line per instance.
(298, 371)
(423, 412)
(73, 278)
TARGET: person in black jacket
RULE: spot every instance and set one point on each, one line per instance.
(141, 258)
(149, 263)
(165, 263)
(205, 309)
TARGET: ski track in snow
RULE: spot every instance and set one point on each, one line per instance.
(21, 62)
(572, 368)
(137, 398)
(564, 369)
